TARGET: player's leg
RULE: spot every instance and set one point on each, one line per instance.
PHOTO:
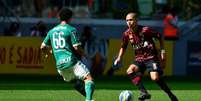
(160, 82)
(155, 74)
(136, 74)
(68, 76)
(83, 73)
(89, 87)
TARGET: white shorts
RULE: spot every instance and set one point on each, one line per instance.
(78, 71)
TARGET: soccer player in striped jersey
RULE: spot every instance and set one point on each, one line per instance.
(66, 50)
(146, 56)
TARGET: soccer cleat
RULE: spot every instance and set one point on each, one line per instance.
(144, 96)
(173, 98)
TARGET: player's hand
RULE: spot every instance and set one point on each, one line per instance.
(117, 60)
(162, 55)
(45, 54)
(45, 57)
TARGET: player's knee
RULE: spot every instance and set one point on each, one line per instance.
(132, 68)
(88, 78)
(154, 78)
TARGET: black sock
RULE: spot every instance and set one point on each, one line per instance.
(164, 86)
(142, 88)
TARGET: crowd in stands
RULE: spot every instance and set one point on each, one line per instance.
(185, 10)
(12, 30)
(95, 8)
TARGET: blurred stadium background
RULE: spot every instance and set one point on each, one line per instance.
(23, 69)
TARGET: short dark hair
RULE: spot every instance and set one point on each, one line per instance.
(65, 14)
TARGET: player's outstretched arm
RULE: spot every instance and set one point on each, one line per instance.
(118, 59)
(162, 52)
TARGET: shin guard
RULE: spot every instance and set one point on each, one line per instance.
(89, 88)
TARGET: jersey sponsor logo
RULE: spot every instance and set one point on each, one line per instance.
(68, 59)
(140, 45)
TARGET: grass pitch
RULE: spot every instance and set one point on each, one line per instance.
(50, 88)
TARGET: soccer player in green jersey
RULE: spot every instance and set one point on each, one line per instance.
(66, 49)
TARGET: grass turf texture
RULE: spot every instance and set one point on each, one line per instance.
(53, 88)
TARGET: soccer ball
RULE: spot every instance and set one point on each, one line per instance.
(126, 95)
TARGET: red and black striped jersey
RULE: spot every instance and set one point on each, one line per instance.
(142, 40)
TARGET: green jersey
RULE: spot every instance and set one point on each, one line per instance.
(62, 38)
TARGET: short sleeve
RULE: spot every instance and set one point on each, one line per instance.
(74, 38)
